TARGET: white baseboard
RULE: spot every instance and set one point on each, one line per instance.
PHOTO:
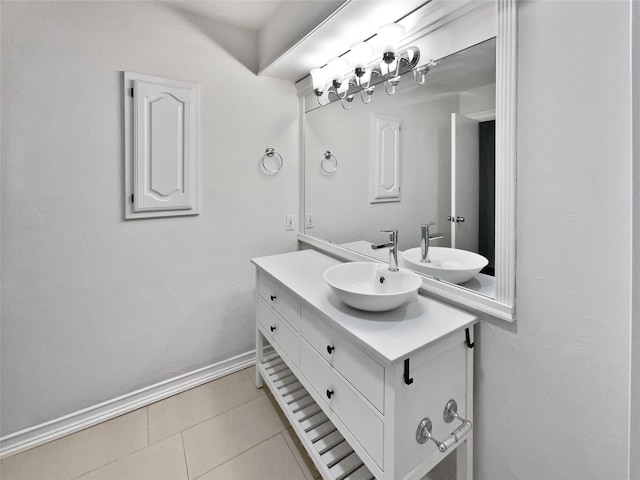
(76, 421)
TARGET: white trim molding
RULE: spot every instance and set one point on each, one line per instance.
(88, 417)
(506, 104)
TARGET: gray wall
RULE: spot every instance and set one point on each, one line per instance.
(94, 307)
(552, 392)
(340, 203)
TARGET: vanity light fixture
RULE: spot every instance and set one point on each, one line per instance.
(361, 68)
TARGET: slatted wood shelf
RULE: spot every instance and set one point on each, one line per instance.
(330, 452)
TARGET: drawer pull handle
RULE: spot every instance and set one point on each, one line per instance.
(450, 412)
(329, 394)
(330, 349)
(273, 297)
(272, 328)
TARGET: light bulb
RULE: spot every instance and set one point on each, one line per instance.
(388, 39)
(360, 54)
(318, 79)
(337, 68)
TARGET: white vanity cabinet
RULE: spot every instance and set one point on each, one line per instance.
(356, 385)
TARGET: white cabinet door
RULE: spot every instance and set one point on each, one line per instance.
(163, 163)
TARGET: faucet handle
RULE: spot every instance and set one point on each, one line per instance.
(425, 228)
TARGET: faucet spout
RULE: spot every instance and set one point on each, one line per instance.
(392, 245)
(424, 242)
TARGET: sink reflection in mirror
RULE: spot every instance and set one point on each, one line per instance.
(448, 264)
(442, 169)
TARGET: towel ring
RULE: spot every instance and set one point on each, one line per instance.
(328, 157)
(270, 152)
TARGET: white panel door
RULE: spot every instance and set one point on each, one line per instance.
(385, 159)
(162, 167)
(161, 146)
(465, 178)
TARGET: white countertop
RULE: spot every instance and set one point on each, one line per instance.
(389, 336)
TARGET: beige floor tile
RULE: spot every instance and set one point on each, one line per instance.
(80, 452)
(219, 439)
(300, 453)
(252, 373)
(276, 407)
(271, 460)
(187, 409)
(162, 461)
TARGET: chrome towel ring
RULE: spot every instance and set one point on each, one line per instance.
(332, 161)
(270, 152)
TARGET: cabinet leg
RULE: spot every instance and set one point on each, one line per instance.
(259, 357)
(464, 459)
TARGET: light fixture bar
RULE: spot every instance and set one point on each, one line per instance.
(359, 70)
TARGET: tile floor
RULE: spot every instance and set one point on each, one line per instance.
(226, 429)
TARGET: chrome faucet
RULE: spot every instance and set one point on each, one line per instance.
(424, 242)
(392, 245)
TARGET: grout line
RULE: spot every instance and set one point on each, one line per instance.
(252, 377)
(291, 446)
(188, 427)
(184, 452)
(238, 454)
(260, 394)
(211, 418)
(133, 452)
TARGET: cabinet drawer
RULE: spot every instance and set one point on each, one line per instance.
(363, 372)
(280, 300)
(358, 417)
(280, 332)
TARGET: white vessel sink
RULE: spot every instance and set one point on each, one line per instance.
(372, 286)
(449, 264)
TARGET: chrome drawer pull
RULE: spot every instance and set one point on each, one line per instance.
(272, 328)
(329, 394)
(330, 349)
(423, 433)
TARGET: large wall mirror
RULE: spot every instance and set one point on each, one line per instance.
(444, 168)
(438, 154)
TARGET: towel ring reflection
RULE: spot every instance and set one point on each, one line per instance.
(270, 152)
(329, 157)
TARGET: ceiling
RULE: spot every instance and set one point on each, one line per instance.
(250, 15)
(350, 21)
(292, 36)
